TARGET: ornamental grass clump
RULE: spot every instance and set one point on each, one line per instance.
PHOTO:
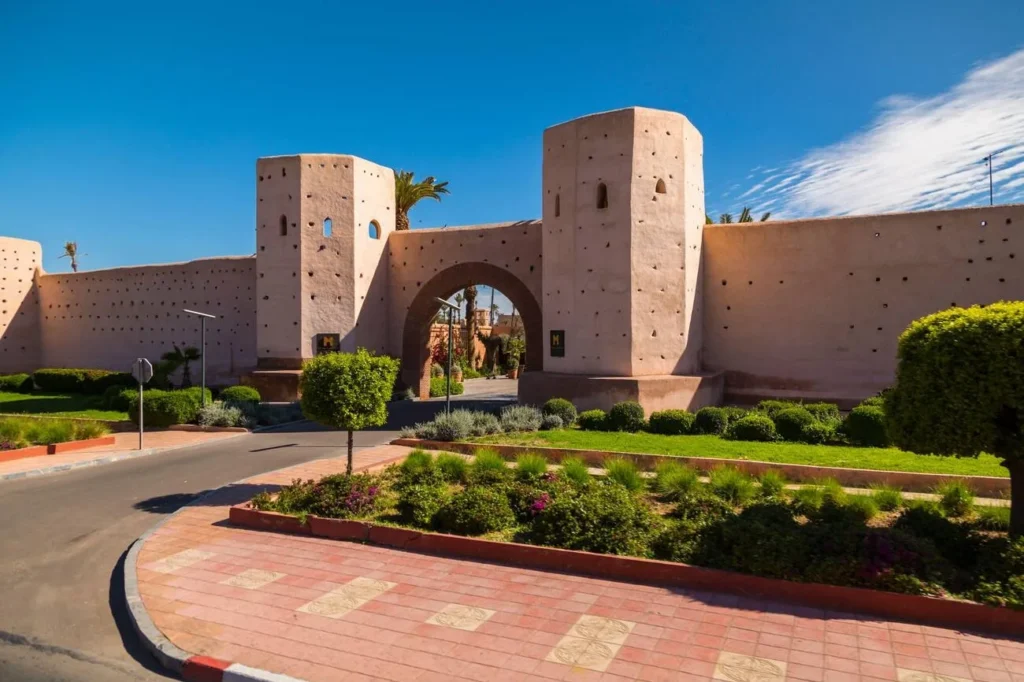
(674, 481)
(624, 472)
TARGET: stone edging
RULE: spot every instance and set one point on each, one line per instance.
(983, 486)
(54, 448)
(926, 610)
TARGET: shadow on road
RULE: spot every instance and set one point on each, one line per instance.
(119, 610)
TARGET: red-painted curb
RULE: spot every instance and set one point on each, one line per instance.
(928, 610)
(984, 486)
(22, 453)
(203, 669)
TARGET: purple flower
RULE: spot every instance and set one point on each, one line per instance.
(540, 504)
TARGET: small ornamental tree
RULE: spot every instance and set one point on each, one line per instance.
(348, 391)
(960, 389)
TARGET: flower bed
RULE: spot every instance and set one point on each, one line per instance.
(815, 535)
(22, 437)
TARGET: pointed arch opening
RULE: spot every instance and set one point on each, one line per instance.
(659, 188)
(328, 227)
(374, 229)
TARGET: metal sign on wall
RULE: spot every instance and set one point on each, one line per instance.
(558, 343)
(328, 343)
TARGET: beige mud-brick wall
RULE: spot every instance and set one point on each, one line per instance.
(374, 208)
(279, 263)
(815, 307)
(107, 318)
(20, 341)
(667, 209)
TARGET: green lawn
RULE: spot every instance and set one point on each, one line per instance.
(59, 405)
(889, 459)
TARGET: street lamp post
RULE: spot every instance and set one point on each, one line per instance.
(989, 159)
(202, 350)
(448, 384)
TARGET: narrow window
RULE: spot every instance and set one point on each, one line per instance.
(328, 225)
(284, 226)
(558, 205)
(660, 187)
(602, 196)
(374, 229)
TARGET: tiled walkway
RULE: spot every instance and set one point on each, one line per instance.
(326, 610)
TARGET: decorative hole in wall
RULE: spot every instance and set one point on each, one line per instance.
(328, 227)
(984, 223)
(602, 195)
(558, 208)
(1008, 221)
(878, 234)
(659, 188)
(374, 229)
(283, 223)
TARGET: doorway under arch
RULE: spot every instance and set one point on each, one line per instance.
(424, 308)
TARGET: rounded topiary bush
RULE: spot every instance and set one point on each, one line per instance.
(551, 422)
(562, 408)
(593, 420)
(626, 416)
(865, 425)
(773, 407)
(753, 427)
(824, 412)
(710, 421)
(818, 433)
(475, 511)
(419, 504)
(791, 422)
(605, 518)
(240, 394)
(671, 422)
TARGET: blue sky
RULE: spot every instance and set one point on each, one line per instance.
(133, 128)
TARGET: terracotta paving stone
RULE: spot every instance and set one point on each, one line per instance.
(245, 596)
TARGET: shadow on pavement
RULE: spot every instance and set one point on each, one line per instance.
(119, 610)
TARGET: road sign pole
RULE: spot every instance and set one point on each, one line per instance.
(203, 380)
(140, 415)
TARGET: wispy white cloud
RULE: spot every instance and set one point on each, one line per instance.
(917, 154)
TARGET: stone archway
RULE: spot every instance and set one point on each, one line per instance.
(415, 334)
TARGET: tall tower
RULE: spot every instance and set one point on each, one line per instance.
(322, 222)
(623, 206)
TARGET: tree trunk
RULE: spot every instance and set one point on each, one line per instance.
(348, 466)
(401, 220)
(471, 325)
(1016, 467)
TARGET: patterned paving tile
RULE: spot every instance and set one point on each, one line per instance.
(904, 675)
(253, 578)
(592, 643)
(348, 597)
(738, 668)
(461, 617)
(172, 563)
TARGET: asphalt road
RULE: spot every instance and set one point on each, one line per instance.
(63, 539)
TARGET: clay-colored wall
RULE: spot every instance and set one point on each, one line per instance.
(815, 307)
(20, 342)
(107, 318)
(375, 189)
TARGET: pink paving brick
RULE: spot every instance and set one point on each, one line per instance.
(676, 634)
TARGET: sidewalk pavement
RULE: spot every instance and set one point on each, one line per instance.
(126, 446)
(318, 609)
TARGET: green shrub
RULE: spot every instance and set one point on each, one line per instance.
(439, 387)
(521, 418)
(770, 408)
(562, 408)
(852, 509)
(593, 420)
(734, 414)
(485, 424)
(240, 394)
(551, 422)
(671, 422)
(488, 467)
(470, 373)
(764, 539)
(754, 427)
(530, 466)
(827, 413)
(96, 381)
(118, 397)
(166, 408)
(807, 500)
(453, 468)
(221, 414)
(818, 432)
(888, 498)
(606, 518)
(673, 480)
(624, 472)
(475, 511)
(419, 504)
(773, 484)
(49, 431)
(953, 540)
(16, 383)
(710, 421)
(87, 430)
(955, 498)
(626, 416)
(731, 485)
(992, 518)
(873, 401)
(677, 542)
(575, 470)
(454, 426)
(436, 371)
(865, 425)
(92, 381)
(701, 508)
(417, 468)
(790, 422)
(527, 500)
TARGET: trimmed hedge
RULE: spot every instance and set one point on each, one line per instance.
(16, 383)
(93, 381)
(824, 412)
(240, 394)
(671, 422)
(753, 427)
(167, 408)
(790, 422)
(865, 425)
(562, 408)
(593, 420)
(627, 416)
(710, 421)
(438, 387)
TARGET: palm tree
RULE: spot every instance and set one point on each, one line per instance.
(182, 357)
(459, 298)
(471, 323)
(745, 217)
(71, 251)
(408, 192)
